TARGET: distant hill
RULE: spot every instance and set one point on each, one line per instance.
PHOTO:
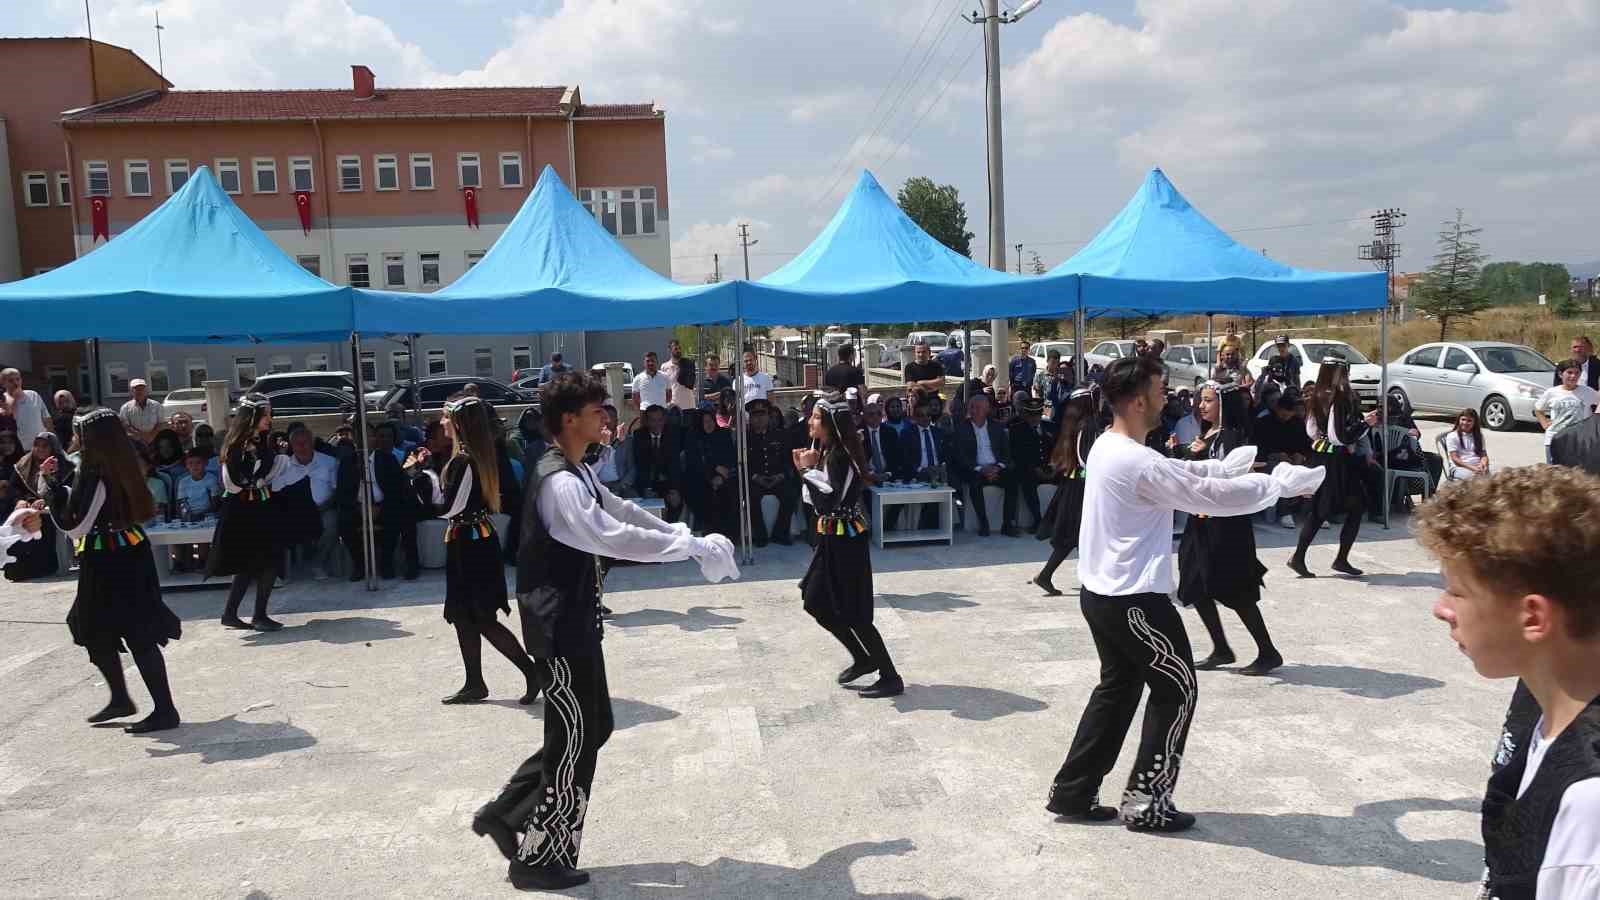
(1584, 270)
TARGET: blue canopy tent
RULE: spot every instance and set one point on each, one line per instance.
(553, 269)
(873, 264)
(194, 270)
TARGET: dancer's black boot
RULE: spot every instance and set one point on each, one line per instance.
(109, 662)
(153, 669)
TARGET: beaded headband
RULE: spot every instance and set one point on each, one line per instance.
(451, 407)
(94, 415)
(1090, 391)
(1336, 361)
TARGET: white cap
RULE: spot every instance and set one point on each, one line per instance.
(137, 382)
(874, 399)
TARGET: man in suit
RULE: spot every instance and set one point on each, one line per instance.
(771, 472)
(882, 446)
(923, 446)
(1588, 366)
(397, 514)
(983, 453)
(657, 470)
(1578, 446)
(1032, 439)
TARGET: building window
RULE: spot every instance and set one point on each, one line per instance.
(387, 176)
(244, 372)
(97, 175)
(57, 376)
(437, 364)
(63, 189)
(483, 362)
(136, 177)
(468, 171)
(316, 362)
(228, 176)
(35, 189)
(85, 385)
(355, 266)
(430, 268)
(422, 171)
(155, 373)
(394, 270)
(474, 257)
(400, 365)
(195, 370)
(281, 364)
(40, 270)
(521, 358)
(266, 175)
(623, 212)
(511, 170)
(312, 264)
(177, 177)
(300, 174)
(117, 377)
(369, 366)
(349, 173)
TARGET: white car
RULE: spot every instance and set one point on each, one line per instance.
(1106, 352)
(1365, 376)
(1041, 353)
(1502, 381)
(186, 400)
(935, 339)
(980, 338)
(1187, 364)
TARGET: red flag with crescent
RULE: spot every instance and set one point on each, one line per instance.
(99, 219)
(470, 197)
(302, 205)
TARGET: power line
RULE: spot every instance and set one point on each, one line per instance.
(954, 73)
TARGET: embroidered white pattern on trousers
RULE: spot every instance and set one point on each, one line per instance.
(1153, 803)
(556, 827)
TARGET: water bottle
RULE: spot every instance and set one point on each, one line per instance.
(183, 509)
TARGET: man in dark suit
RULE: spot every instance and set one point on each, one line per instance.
(1032, 439)
(658, 471)
(771, 472)
(923, 446)
(397, 514)
(1579, 446)
(983, 454)
(882, 446)
(1588, 365)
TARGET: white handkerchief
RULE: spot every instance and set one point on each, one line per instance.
(714, 553)
(1297, 481)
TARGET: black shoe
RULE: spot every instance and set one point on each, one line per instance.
(235, 622)
(156, 721)
(857, 670)
(1049, 589)
(467, 695)
(886, 686)
(486, 824)
(410, 576)
(545, 878)
(758, 543)
(1216, 659)
(785, 541)
(113, 710)
(266, 623)
(1078, 811)
(1343, 565)
(1174, 822)
(1263, 664)
(983, 531)
(1298, 566)
(357, 576)
(530, 697)
(1010, 531)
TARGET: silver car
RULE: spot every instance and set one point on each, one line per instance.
(1187, 364)
(1106, 352)
(1502, 381)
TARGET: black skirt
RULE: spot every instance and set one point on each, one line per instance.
(119, 602)
(1217, 561)
(474, 575)
(1059, 524)
(1341, 490)
(249, 536)
(837, 588)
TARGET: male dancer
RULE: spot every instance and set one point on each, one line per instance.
(1125, 553)
(570, 522)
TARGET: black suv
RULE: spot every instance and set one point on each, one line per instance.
(432, 392)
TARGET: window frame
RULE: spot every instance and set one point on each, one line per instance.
(1444, 358)
(423, 262)
(627, 201)
(344, 165)
(274, 362)
(425, 159)
(1438, 354)
(316, 263)
(56, 377)
(381, 161)
(479, 356)
(168, 166)
(510, 156)
(130, 167)
(90, 168)
(462, 161)
(63, 188)
(474, 257)
(240, 363)
(151, 368)
(298, 164)
(316, 362)
(436, 354)
(229, 164)
(259, 164)
(521, 350)
(350, 260)
(394, 258)
(395, 357)
(38, 179)
(368, 358)
(194, 364)
(112, 370)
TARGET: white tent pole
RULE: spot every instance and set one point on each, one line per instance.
(1383, 405)
(1211, 349)
(369, 557)
(746, 542)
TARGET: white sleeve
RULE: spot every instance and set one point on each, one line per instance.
(463, 493)
(1167, 483)
(1543, 403)
(1312, 431)
(1571, 865)
(574, 518)
(630, 513)
(92, 514)
(818, 480)
(1237, 462)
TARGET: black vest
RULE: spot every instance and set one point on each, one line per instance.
(558, 587)
(1516, 830)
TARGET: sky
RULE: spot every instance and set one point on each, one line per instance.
(1288, 122)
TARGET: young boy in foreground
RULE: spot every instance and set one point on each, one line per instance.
(1520, 555)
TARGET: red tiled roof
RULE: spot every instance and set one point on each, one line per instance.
(617, 111)
(390, 103)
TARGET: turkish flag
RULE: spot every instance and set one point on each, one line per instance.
(470, 196)
(302, 204)
(99, 219)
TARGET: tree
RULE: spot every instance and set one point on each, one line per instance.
(938, 210)
(1032, 330)
(1508, 283)
(1451, 289)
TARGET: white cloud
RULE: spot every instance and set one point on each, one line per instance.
(703, 149)
(693, 248)
(810, 108)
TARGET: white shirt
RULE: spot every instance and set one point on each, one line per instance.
(682, 397)
(323, 470)
(1566, 408)
(611, 526)
(143, 419)
(926, 440)
(985, 450)
(29, 411)
(606, 468)
(1571, 866)
(1457, 443)
(1125, 540)
(651, 390)
(757, 386)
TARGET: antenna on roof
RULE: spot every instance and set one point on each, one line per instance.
(161, 62)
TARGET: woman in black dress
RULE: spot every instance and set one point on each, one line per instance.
(1217, 557)
(1080, 424)
(475, 571)
(837, 588)
(36, 558)
(249, 539)
(118, 606)
(1336, 426)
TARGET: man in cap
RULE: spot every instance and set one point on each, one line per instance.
(142, 415)
(1287, 359)
(1032, 439)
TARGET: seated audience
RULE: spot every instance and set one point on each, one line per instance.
(709, 461)
(771, 472)
(983, 453)
(1031, 439)
(657, 466)
(1467, 454)
(37, 558)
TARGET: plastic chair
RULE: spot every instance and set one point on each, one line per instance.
(1394, 435)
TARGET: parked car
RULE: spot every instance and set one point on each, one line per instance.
(1187, 364)
(1041, 352)
(1500, 380)
(186, 400)
(283, 381)
(310, 402)
(1365, 375)
(433, 391)
(980, 338)
(936, 339)
(1105, 352)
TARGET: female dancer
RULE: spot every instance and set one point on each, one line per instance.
(248, 540)
(837, 588)
(119, 593)
(475, 577)
(1080, 425)
(1335, 424)
(1217, 557)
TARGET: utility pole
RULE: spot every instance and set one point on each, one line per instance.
(716, 269)
(1383, 250)
(746, 243)
(1019, 259)
(161, 59)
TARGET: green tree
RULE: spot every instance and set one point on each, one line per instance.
(1509, 283)
(1451, 290)
(938, 210)
(1032, 330)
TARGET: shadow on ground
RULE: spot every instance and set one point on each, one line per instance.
(227, 739)
(829, 876)
(698, 618)
(1369, 837)
(1408, 579)
(624, 712)
(1356, 681)
(932, 601)
(348, 630)
(975, 704)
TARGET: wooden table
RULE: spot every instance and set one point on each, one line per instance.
(913, 495)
